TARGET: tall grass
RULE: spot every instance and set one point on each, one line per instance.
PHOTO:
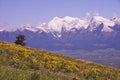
(8, 73)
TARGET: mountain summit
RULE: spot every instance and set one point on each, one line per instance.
(97, 20)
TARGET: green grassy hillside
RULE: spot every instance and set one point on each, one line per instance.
(21, 63)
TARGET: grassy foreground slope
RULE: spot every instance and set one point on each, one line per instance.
(21, 63)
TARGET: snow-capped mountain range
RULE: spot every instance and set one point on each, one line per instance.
(69, 32)
(56, 25)
(67, 23)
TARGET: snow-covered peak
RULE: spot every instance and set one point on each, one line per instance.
(67, 22)
(28, 27)
(116, 20)
(56, 19)
(98, 20)
(55, 25)
(68, 19)
(42, 27)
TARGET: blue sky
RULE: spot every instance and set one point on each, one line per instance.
(19, 12)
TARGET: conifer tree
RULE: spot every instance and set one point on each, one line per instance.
(20, 40)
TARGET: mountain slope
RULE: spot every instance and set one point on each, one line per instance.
(24, 58)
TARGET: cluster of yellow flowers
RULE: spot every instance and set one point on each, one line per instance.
(19, 55)
(43, 58)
